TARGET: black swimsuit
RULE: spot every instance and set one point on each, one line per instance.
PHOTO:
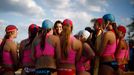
(112, 64)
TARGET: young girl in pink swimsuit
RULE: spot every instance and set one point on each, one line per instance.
(122, 52)
(9, 51)
(70, 50)
(46, 50)
(83, 65)
(108, 64)
(26, 61)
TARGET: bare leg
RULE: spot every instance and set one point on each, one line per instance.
(106, 70)
(84, 73)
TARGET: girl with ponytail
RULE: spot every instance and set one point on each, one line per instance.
(46, 50)
(25, 50)
(8, 50)
(108, 64)
(70, 50)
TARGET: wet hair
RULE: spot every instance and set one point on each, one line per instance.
(43, 37)
(66, 36)
(47, 25)
(114, 26)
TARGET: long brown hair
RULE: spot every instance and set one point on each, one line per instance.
(7, 36)
(43, 37)
(114, 25)
(47, 25)
(65, 37)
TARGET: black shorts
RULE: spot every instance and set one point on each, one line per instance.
(112, 64)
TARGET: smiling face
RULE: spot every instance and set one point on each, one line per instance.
(59, 28)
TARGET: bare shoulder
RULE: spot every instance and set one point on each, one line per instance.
(76, 40)
(77, 43)
(86, 44)
(11, 44)
(107, 33)
(54, 38)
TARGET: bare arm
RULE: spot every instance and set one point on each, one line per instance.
(57, 50)
(79, 50)
(13, 51)
(119, 47)
(89, 51)
(127, 53)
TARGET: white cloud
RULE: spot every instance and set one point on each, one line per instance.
(36, 21)
(82, 1)
(96, 8)
(79, 11)
(2, 22)
(93, 6)
(84, 5)
(60, 4)
(23, 7)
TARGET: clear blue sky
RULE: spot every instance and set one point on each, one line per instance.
(24, 12)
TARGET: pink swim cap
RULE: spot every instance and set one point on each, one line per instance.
(67, 22)
(122, 29)
(100, 21)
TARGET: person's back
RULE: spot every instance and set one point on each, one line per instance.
(84, 64)
(25, 50)
(70, 50)
(46, 50)
(25, 58)
(47, 55)
(9, 51)
(69, 62)
(110, 47)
